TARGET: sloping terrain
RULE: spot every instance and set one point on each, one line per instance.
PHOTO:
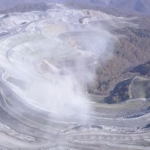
(132, 49)
(68, 79)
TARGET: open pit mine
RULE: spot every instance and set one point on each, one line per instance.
(46, 60)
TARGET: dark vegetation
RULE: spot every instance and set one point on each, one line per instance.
(133, 88)
(120, 92)
(142, 70)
